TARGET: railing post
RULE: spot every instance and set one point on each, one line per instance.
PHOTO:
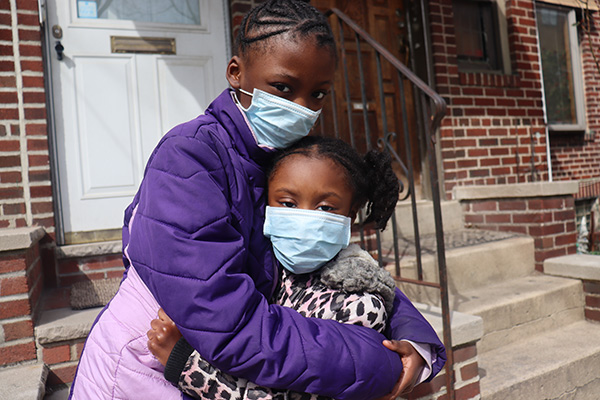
(442, 271)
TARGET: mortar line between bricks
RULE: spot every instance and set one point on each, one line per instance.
(12, 297)
(21, 108)
(15, 274)
(16, 341)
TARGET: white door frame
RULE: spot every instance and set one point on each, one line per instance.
(48, 50)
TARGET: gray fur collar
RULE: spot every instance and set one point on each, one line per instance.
(354, 270)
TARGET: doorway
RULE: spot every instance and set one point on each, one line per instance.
(123, 73)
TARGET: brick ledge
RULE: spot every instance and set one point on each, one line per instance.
(577, 266)
(517, 190)
(20, 238)
(89, 249)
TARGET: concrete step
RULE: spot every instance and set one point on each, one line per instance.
(23, 382)
(522, 307)
(64, 324)
(557, 365)
(469, 267)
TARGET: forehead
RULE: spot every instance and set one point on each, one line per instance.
(309, 171)
(290, 52)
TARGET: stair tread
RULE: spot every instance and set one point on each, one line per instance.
(478, 300)
(23, 382)
(539, 357)
(455, 239)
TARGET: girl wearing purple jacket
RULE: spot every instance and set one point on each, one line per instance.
(315, 189)
(193, 242)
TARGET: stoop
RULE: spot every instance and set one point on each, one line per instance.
(536, 343)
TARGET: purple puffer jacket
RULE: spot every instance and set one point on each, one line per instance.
(196, 242)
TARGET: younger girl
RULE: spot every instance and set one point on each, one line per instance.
(315, 189)
(194, 245)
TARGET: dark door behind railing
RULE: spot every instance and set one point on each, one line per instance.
(378, 101)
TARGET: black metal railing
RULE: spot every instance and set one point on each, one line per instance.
(383, 102)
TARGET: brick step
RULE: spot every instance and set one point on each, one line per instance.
(23, 382)
(553, 365)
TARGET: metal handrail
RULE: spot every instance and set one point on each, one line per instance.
(432, 108)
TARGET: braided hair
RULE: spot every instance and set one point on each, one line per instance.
(371, 176)
(276, 17)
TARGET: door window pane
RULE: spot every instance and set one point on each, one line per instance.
(555, 32)
(186, 12)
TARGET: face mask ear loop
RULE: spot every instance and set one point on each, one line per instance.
(246, 93)
(237, 100)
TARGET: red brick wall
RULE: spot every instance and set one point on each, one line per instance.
(62, 359)
(21, 285)
(25, 190)
(591, 290)
(486, 138)
(549, 220)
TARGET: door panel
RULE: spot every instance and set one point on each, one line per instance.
(113, 104)
(178, 95)
(107, 129)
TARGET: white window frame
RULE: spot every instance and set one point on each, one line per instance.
(577, 73)
(139, 25)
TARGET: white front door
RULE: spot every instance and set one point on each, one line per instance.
(130, 71)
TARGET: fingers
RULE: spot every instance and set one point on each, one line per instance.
(159, 327)
(155, 324)
(402, 348)
(162, 315)
(399, 387)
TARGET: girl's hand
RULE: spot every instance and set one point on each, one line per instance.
(412, 364)
(162, 337)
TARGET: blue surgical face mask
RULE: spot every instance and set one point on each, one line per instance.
(278, 122)
(304, 240)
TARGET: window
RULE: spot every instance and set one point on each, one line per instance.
(561, 68)
(478, 43)
(185, 12)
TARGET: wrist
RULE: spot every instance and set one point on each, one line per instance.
(177, 360)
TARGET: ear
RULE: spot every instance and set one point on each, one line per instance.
(233, 72)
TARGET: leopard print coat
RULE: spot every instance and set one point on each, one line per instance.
(333, 292)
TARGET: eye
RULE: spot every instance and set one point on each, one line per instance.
(325, 208)
(283, 88)
(320, 95)
(288, 204)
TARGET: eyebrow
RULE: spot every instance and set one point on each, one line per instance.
(284, 190)
(331, 194)
(283, 75)
(323, 196)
